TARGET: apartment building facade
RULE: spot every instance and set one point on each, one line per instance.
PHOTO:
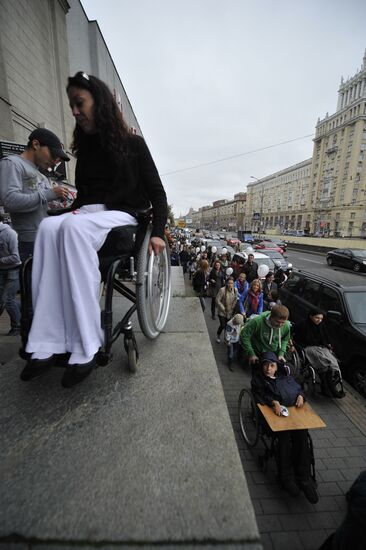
(280, 201)
(222, 214)
(323, 195)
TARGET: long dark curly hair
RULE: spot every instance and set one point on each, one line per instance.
(112, 128)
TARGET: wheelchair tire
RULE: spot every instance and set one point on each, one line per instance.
(248, 417)
(153, 288)
(132, 355)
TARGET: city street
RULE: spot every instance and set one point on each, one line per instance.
(315, 263)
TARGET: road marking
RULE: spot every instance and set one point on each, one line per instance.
(313, 261)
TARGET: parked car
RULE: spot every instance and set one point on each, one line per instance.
(277, 257)
(239, 259)
(232, 241)
(345, 307)
(268, 245)
(279, 242)
(245, 237)
(351, 258)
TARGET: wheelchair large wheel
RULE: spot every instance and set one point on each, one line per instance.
(248, 417)
(153, 286)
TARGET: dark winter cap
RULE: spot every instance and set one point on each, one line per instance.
(48, 138)
(268, 357)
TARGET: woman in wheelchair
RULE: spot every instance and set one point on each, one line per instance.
(311, 335)
(115, 177)
(274, 386)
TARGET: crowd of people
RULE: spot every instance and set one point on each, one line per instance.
(258, 334)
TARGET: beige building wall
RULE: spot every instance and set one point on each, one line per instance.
(222, 214)
(34, 66)
(280, 201)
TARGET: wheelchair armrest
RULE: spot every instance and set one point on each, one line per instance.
(58, 211)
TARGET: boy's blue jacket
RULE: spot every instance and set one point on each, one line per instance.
(283, 388)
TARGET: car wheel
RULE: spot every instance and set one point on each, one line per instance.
(356, 267)
(330, 260)
(358, 379)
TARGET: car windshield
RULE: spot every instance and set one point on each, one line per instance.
(274, 254)
(360, 253)
(265, 261)
(356, 302)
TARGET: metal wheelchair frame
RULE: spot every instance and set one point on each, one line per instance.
(254, 427)
(151, 297)
(304, 371)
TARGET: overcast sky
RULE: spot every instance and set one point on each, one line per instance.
(210, 79)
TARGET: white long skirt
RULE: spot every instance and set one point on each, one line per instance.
(66, 280)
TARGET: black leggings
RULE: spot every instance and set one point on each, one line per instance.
(223, 323)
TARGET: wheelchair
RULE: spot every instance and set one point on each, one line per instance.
(128, 269)
(305, 373)
(254, 428)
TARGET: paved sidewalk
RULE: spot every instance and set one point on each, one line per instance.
(340, 455)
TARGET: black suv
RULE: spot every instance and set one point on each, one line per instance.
(346, 318)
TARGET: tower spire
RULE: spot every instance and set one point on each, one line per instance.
(364, 60)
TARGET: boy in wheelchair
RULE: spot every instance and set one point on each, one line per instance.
(272, 385)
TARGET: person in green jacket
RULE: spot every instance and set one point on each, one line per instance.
(270, 331)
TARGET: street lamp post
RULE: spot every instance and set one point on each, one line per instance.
(261, 201)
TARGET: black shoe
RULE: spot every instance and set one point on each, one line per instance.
(35, 368)
(309, 490)
(291, 487)
(230, 365)
(74, 374)
(15, 331)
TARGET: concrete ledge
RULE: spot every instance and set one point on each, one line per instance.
(126, 460)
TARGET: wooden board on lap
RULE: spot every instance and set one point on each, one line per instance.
(298, 419)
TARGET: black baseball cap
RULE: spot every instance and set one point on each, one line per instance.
(48, 138)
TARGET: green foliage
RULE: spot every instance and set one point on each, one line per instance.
(171, 218)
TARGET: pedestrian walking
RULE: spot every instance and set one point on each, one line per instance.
(184, 258)
(216, 280)
(242, 286)
(269, 286)
(253, 304)
(269, 331)
(115, 177)
(25, 191)
(9, 275)
(232, 333)
(250, 268)
(226, 300)
(200, 282)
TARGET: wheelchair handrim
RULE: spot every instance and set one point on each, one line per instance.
(159, 286)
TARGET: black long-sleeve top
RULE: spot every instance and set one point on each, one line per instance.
(134, 186)
(307, 333)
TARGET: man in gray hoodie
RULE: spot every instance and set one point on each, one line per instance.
(25, 191)
(9, 277)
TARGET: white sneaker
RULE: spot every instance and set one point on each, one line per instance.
(218, 339)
